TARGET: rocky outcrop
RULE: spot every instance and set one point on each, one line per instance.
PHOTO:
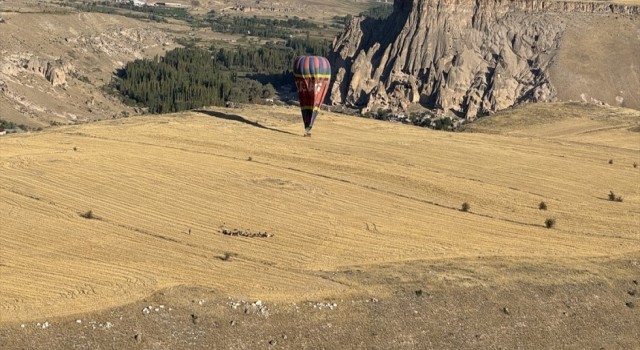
(54, 71)
(464, 56)
(119, 41)
(53, 67)
(55, 74)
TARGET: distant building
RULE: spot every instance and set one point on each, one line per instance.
(170, 5)
(139, 2)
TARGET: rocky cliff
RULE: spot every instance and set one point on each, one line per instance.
(469, 57)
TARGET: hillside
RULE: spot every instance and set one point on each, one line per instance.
(576, 122)
(473, 58)
(364, 215)
(56, 74)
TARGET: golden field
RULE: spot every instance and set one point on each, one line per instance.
(358, 193)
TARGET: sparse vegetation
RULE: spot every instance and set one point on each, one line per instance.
(612, 197)
(445, 123)
(260, 27)
(88, 215)
(4, 124)
(465, 207)
(226, 256)
(542, 206)
(549, 223)
(82, 78)
(7, 125)
(152, 13)
(381, 114)
(378, 12)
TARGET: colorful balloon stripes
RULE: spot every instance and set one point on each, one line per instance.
(312, 75)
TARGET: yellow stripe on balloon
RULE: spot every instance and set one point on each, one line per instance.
(320, 76)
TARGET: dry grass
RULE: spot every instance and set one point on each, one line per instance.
(576, 122)
(359, 192)
(583, 69)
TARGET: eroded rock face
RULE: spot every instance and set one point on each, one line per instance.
(55, 74)
(468, 57)
(53, 68)
(53, 71)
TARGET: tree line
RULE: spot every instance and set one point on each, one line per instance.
(193, 77)
(260, 27)
(271, 58)
(184, 79)
(153, 13)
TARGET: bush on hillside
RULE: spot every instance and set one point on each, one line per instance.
(550, 223)
(614, 198)
(88, 215)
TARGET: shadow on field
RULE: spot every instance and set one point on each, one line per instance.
(237, 118)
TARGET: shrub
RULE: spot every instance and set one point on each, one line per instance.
(249, 159)
(635, 164)
(610, 161)
(87, 215)
(465, 207)
(550, 222)
(614, 198)
(445, 123)
(226, 256)
(542, 206)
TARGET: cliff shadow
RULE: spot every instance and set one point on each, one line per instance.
(383, 32)
(237, 118)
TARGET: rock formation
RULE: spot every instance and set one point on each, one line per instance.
(463, 56)
(54, 71)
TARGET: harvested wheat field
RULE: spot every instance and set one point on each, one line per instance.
(254, 236)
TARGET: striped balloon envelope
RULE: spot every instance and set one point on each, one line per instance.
(312, 76)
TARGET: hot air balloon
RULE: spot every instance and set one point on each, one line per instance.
(312, 75)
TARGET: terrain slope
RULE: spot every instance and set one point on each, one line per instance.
(362, 210)
(474, 58)
(55, 74)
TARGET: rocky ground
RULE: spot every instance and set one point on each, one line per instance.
(408, 306)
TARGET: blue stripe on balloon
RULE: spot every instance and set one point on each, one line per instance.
(309, 66)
